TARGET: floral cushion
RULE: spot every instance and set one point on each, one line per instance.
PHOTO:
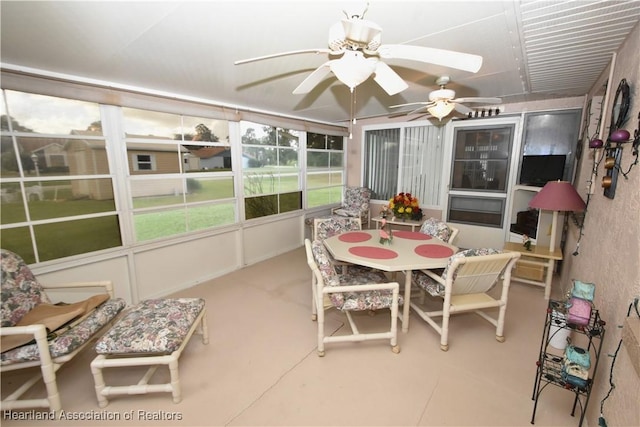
(72, 338)
(336, 225)
(435, 288)
(436, 228)
(363, 300)
(20, 289)
(356, 201)
(155, 326)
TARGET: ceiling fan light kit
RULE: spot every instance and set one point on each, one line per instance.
(353, 68)
(441, 109)
(443, 101)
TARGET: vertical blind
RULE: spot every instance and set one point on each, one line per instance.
(405, 159)
(421, 172)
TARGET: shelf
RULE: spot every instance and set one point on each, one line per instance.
(549, 364)
(521, 196)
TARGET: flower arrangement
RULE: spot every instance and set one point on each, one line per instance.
(405, 206)
(526, 242)
(386, 236)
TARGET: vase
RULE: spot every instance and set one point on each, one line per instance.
(384, 241)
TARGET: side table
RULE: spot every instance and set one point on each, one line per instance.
(409, 222)
(537, 256)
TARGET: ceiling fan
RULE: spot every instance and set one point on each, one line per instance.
(443, 101)
(356, 54)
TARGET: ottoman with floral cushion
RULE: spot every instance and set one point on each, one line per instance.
(152, 333)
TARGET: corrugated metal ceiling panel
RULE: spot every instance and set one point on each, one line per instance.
(567, 44)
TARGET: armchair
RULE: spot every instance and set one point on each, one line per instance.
(464, 286)
(350, 292)
(39, 341)
(355, 204)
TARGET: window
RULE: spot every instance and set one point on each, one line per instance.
(407, 159)
(56, 187)
(325, 169)
(78, 177)
(479, 174)
(481, 159)
(554, 132)
(178, 177)
(143, 162)
(271, 171)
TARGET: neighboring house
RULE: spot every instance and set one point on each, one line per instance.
(206, 158)
(51, 156)
(88, 157)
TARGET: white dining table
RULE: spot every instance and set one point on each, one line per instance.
(408, 251)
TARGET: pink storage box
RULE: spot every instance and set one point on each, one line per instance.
(579, 311)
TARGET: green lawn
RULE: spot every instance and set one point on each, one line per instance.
(73, 237)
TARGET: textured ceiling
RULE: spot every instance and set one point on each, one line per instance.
(531, 49)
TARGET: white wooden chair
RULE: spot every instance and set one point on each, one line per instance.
(463, 286)
(22, 294)
(363, 291)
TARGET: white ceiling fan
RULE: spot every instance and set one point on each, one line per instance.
(442, 101)
(356, 54)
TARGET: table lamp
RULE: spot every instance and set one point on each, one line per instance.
(557, 196)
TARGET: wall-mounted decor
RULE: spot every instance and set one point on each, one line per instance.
(617, 136)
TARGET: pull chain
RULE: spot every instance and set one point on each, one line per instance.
(352, 118)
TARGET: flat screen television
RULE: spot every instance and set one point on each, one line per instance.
(537, 170)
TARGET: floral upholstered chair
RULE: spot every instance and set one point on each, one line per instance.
(37, 333)
(463, 286)
(324, 228)
(362, 291)
(355, 204)
(440, 229)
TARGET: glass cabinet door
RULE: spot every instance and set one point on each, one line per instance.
(479, 175)
(481, 159)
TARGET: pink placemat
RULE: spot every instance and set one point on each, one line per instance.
(413, 235)
(373, 252)
(434, 251)
(354, 237)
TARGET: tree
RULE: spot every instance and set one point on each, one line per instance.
(17, 127)
(203, 134)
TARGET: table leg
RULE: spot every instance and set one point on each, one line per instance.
(407, 301)
(548, 277)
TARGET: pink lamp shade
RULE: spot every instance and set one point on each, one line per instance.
(558, 196)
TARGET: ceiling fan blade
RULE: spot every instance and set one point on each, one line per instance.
(410, 103)
(463, 109)
(446, 58)
(313, 79)
(388, 79)
(421, 116)
(293, 52)
(479, 100)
